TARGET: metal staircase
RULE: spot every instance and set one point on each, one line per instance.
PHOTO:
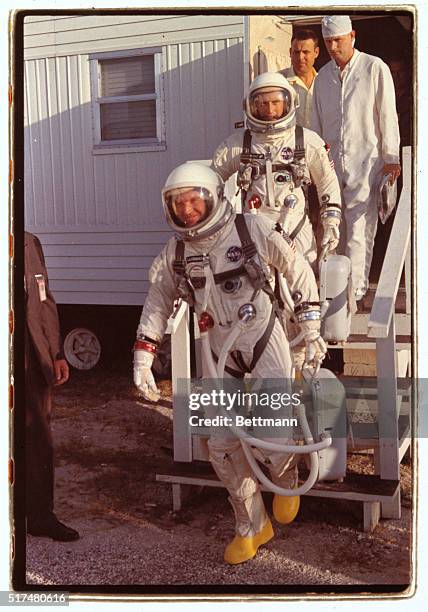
(387, 328)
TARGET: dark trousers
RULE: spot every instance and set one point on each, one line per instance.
(39, 469)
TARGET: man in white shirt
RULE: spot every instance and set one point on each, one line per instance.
(301, 75)
(353, 110)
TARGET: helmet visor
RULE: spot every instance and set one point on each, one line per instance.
(189, 207)
(269, 104)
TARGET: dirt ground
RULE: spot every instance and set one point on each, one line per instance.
(109, 447)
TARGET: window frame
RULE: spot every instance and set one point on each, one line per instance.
(130, 144)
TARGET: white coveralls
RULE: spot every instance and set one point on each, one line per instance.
(356, 116)
(226, 454)
(226, 160)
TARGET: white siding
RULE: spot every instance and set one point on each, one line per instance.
(102, 267)
(70, 35)
(73, 196)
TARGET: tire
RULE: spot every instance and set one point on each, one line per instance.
(82, 348)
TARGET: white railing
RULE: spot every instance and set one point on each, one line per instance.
(178, 327)
(396, 256)
(381, 326)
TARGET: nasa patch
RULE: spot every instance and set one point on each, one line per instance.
(234, 253)
(287, 154)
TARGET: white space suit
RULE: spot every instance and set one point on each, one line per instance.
(355, 113)
(210, 245)
(276, 168)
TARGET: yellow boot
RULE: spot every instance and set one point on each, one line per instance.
(285, 509)
(242, 548)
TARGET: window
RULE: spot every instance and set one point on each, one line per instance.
(127, 99)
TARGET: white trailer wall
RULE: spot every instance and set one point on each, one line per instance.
(98, 213)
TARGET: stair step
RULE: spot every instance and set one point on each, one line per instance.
(360, 341)
(403, 323)
(400, 302)
(360, 487)
(357, 386)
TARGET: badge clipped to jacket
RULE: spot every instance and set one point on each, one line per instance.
(41, 285)
(387, 198)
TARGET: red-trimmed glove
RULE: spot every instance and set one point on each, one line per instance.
(143, 377)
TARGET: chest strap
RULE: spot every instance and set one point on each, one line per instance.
(245, 166)
(299, 144)
(299, 149)
(257, 352)
(277, 168)
(247, 157)
(298, 227)
(248, 247)
(184, 287)
(250, 268)
(179, 265)
(246, 148)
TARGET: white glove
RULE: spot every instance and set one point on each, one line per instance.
(316, 350)
(331, 233)
(143, 377)
(308, 348)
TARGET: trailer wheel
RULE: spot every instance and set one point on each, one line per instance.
(82, 348)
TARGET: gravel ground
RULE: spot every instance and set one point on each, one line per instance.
(109, 447)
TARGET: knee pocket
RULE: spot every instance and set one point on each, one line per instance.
(231, 466)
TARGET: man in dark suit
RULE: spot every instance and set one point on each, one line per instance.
(45, 366)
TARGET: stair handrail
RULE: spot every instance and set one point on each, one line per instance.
(383, 307)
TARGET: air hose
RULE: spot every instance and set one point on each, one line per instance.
(311, 448)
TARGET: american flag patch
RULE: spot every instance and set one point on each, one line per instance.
(286, 237)
(289, 241)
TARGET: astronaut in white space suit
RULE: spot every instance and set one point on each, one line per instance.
(353, 109)
(222, 263)
(276, 161)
